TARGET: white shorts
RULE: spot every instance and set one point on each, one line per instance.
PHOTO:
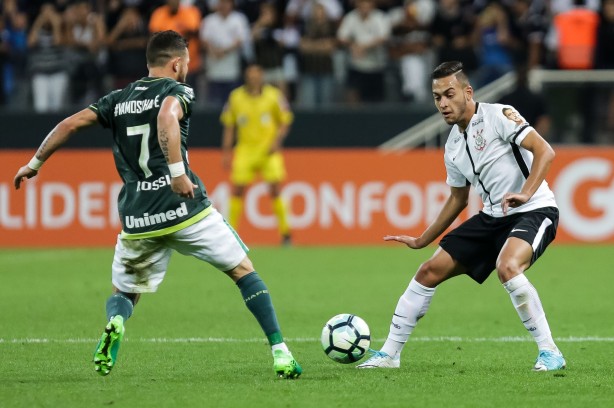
(139, 265)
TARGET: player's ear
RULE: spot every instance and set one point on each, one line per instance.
(469, 92)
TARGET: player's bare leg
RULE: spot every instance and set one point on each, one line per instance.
(514, 259)
(281, 211)
(236, 206)
(258, 301)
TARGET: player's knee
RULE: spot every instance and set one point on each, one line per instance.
(507, 268)
(429, 275)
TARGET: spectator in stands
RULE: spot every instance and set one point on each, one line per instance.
(531, 104)
(4, 55)
(185, 20)
(604, 57)
(528, 26)
(452, 30)
(492, 38)
(126, 42)
(268, 50)
(16, 38)
(410, 45)
(300, 11)
(46, 63)
(572, 38)
(85, 39)
(318, 43)
(365, 32)
(225, 37)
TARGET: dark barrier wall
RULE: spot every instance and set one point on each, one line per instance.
(330, 128)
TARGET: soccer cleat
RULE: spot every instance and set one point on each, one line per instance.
(286, 240)
(548, 360)
(285, 365)
(379, 359)
(106, 351)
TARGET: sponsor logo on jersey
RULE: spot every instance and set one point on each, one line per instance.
(153, 185)
(137, 106)
(140, 88)
(189, 91)
(478, 121)
(148, 220)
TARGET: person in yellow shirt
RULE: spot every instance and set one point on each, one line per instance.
(258, 117)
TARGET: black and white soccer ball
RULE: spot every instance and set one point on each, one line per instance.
(346, 338)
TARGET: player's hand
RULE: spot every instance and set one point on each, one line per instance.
(513, 200)
(22, 174)
(183, 186)
(412, 242)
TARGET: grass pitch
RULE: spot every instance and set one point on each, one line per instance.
(194, 344)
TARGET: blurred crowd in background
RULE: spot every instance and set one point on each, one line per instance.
(56, 55)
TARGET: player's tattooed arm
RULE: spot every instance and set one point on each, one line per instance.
(163, 140)
(63, 131)
(54, 140)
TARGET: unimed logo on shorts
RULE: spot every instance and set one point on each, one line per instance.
(350, 197)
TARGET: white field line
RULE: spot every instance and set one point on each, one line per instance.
(518, 339)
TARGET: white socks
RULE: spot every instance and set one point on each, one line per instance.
(412, 305)
(526, 301)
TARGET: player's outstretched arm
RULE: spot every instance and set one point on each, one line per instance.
(169, 137)
(543, 155)
(456, 202)
(54, 140)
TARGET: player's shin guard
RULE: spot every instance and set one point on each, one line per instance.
(412, 305)
(529, 307)
(258, 301)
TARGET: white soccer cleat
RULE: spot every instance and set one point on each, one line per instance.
(379, 359)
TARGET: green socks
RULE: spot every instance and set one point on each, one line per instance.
(258, 301)
(118, 304)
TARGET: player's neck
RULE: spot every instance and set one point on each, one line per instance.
(254, 90)
(161, 72)
(469, 112)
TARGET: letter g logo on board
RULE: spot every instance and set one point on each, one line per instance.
(600, 199)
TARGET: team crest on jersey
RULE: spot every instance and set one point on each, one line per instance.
(480, 142)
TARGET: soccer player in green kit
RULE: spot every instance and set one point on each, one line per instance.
(163, 205)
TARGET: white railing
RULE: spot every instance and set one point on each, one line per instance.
(428, 130)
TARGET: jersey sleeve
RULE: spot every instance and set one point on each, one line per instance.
(104, 109)
(185, 95)
(454, 177)
(510, 125)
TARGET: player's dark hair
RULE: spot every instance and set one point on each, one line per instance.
(163, 46)
(448, 68)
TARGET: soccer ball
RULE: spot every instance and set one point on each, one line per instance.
(346, 338)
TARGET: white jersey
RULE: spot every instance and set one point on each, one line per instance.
(488, 156)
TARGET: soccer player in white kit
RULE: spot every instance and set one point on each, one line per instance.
(493, 149)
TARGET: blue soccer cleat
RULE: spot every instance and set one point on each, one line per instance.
(548, 360)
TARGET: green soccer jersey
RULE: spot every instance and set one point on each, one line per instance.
(147, 205)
